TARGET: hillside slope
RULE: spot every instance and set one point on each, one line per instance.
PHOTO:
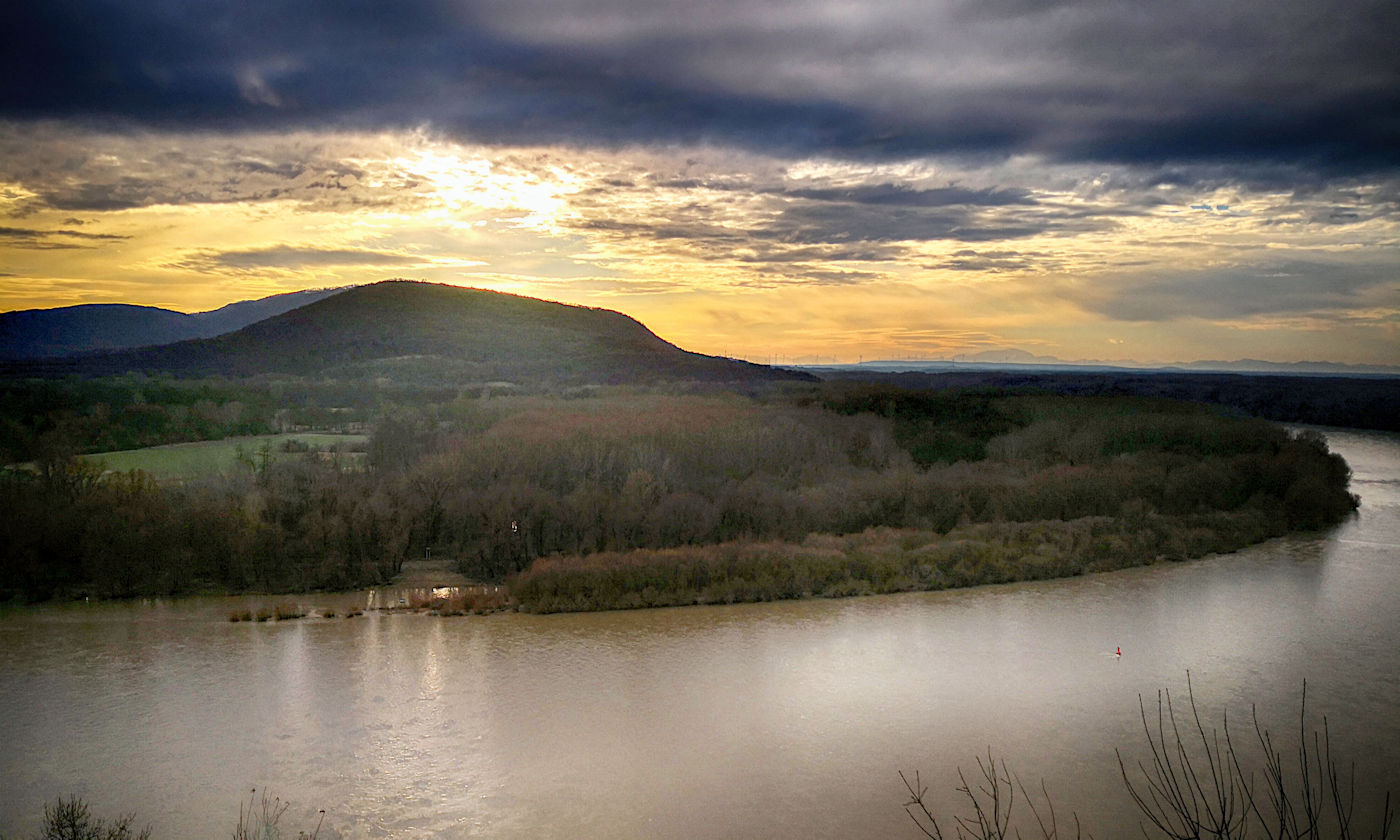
(412, 330)
(46, 333)
(95, 327)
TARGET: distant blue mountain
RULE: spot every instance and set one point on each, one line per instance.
(1013, 359)
(72, 330)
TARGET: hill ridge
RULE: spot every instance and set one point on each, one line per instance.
(100, 327)
(407, 329)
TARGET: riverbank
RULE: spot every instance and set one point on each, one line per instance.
(880, 560)
(785, 719)
(423, 574)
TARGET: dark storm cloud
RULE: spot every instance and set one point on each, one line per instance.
(123, 193)
(995, 262)
(128, 192)
(1138, 82)
(677, 230)
(896, 195)
(840, 222)
(795, 233)
(878, 195)
(760, 246)
(52, 240)
(823, 232)
(73, 173)
(758, 251)
(809, 276)
(268, 64)
(290, 256)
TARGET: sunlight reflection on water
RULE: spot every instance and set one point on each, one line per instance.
(771, 720)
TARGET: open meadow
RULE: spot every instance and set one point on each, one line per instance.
(207, 458)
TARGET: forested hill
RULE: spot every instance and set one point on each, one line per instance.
(67, 330)
(411, 331)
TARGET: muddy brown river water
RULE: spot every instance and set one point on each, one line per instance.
(779, 720)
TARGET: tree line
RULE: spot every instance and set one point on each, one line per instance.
(499, 483)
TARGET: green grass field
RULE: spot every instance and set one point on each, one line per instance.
(210, 457)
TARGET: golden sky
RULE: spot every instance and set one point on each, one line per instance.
(719, 251)
(772, 179)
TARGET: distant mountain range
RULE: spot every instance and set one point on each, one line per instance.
(403, 328)
(1015, 359)
(67, 330)
(411, 331)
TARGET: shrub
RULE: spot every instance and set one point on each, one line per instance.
(1193, 785)
(257, 819)
(70, 819)
(287, 612)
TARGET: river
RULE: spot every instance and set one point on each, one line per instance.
(779, 720)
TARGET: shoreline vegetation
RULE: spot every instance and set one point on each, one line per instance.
(877, 561)
(609, 498)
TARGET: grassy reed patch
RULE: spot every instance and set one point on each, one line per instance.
(878, 560)
(289, 612)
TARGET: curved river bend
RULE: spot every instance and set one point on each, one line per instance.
(770, 720)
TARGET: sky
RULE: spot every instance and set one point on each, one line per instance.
(776, 180)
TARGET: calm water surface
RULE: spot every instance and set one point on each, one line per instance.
(772, 720)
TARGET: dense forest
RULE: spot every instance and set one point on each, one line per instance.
(43, 418)
(624, 497)
(1355, 401)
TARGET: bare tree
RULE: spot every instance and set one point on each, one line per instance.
(1194, 784)
(992, 802)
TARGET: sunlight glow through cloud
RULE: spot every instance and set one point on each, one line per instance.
(750, 255)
